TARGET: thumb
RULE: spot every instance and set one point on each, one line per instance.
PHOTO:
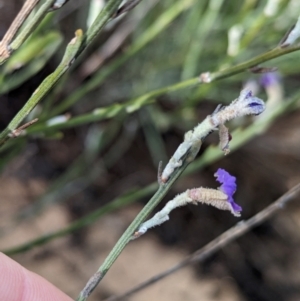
(19, 284)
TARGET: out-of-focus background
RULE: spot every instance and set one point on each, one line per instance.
(103, 171)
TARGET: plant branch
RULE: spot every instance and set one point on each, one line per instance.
(75, 47)
(28, 29)
(242, 136)
(245, 104)
(27, 8)
(106, 13)
(127, 235)
(218, 243)
(113, 110)
(155, 29)
(136, 103)
(45, 86)
(267, 56)
(161, 23)
(210, 155)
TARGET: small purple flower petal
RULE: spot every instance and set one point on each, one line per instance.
(247, 104)
(269, 79)
(254, 104)
(228, 187)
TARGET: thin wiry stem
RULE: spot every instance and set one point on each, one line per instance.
(209, 156)
(215, 245)
(106, 13)
(182, 157)
(45, 86)
(127, 235)
(72, 52)
(27, 30)
(136, 103)
(27, 8)
(98, 78)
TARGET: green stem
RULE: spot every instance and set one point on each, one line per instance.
(113, 110)
(29, 27)
(91, 34)
(99, 77)
(267, 56)
(159, 25)
(107, 11)
(210, 155)
(135, 104)
(72, 52)
(248, 10)
(127, 235)
(154, 201)
(45, 86)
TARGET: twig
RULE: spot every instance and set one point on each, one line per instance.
(74, 49)
(91, 285)
(45, 86)
(27, 8)
(209, 156)
(206, 77)
(155, 29)
(135, 104)
(104, 16)
(27, 30)
(17, 132)
(215, 245)
(245, 104)
(127, 235)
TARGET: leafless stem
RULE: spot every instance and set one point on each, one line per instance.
(17, 132)
(218, 243)
(27, 8)
(91, 285)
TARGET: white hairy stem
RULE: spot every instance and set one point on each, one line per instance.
(245, 104)
(207, 196)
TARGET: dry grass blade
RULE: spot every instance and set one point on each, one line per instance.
(27, 8)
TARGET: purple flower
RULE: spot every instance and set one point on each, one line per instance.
(270, 79)
(247, 104)
(228, 187)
